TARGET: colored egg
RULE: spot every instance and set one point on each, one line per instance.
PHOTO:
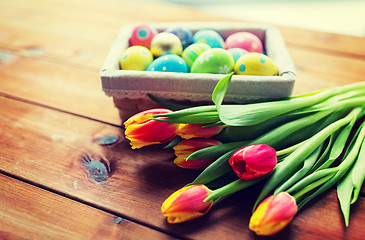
(165, 43)
(136, 58)
(256, 64)
(210, 37)
(215, 60)
(142, 35)
(192, 52)
(168, 63)
(185, 35)
(244, 40)
(237, 53)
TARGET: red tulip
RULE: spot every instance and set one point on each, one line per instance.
(188, 131)
(187, 204)
(142, 131)
(273, 214)
(253, 161)
(187, 147)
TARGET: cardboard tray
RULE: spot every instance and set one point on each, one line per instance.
(129, 88)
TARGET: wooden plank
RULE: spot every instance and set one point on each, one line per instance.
(44, 146)
(28, 212)
(59, 86)
(79, 32)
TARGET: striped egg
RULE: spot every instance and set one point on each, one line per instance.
(192, 52)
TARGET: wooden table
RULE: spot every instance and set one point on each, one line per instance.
(53, 112)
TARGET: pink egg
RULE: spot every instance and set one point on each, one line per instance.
(142, 35)
(244, 40)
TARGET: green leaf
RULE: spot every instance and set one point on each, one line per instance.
(251, 114)
(215, 170)
(220, 90)
(344, 193)
(166, 104)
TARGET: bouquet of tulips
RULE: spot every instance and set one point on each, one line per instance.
(298, 146)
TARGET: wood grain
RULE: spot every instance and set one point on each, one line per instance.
(44, 146)
(28, 212)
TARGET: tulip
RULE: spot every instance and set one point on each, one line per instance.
(187, 147)
(253, 161)
(188, 131)
(273, 214)
(187, 204)
(142, 131)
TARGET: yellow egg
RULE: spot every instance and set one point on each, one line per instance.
(136, 58)
(256, 64)
(165, 43)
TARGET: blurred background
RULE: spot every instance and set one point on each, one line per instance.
(335, 16)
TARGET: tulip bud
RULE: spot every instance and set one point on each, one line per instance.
(253, 161)
(273, 214)
(188, 131)
(187, 147)
(142, 131)
(187, 204)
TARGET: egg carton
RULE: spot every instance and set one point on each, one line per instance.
(129, 88)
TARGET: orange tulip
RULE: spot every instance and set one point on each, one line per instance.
(187, 204)
(142, 131)
(188, 131)
(253, 161)
(189, 146)
(273, 214)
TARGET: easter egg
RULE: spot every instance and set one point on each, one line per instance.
(192, 52)
(168, 63)
(244, 40)
(210, 37)
(256, 64)
(136, 58)
(185, 35)
(237, 53)
(164, 43)
(215, 60)
(142, 35)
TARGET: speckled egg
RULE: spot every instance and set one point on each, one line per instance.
(210, 37)
(165, 43)
(256, 64)
(215, 60)
(191, 53)
(168, 63)
(142, 35)
(244, 40)
(136, 58)
(237, 53)
(185, 35)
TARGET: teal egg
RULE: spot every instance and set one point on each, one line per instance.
(210, 37)
(192, 52)
(215, 60)
(169, 63)
(237, 53)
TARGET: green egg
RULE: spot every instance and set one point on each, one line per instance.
(215, 60)
(256, 64)
(192, 52)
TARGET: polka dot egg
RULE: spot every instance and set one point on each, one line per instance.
(165, 43)
(142, 35)
(191, 53)
(210, 37)
(215, 60)
(185, 35)
(256, 64)
(136, 58)
(244, 40)
(168, 63)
